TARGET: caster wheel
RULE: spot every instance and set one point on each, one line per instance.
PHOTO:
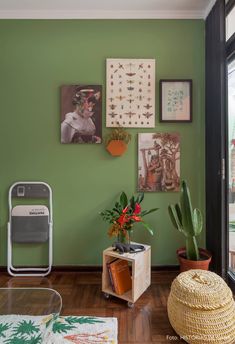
(130, 304)
(106, 296)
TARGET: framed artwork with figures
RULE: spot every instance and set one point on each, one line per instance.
(159, 162)
(176, 100)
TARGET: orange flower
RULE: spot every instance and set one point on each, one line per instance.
(123, 219)
(125, 210)
(136, 218)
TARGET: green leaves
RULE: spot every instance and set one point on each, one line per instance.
(147, 227)
(192, 248)
(123, 200)
(109, 215)
(24, 332)
(198, 221)
(186, 209)
(174, 217)
(37, 339)
(118, 134)
(26, 327)
(67, 325)
(179, 213)
(132, 202)
(82, 320)
(126, 213)
(4, 328)
(146, 212)
(187, 221)
(59, 327)
(16, 340)
(140, 198)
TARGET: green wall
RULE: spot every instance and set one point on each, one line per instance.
(36, 58)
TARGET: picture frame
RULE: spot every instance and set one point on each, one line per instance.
(159, 162)
(176, 100)
(130, 93)
(81, 114)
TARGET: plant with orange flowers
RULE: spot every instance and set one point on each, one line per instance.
(125, 214)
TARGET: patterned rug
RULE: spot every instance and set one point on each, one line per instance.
(22, 329)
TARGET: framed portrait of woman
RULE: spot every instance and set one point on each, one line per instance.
(81, 114)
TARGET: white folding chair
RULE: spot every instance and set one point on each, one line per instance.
(29, 223)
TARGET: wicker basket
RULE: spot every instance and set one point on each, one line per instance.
(201, 308)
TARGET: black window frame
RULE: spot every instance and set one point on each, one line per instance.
(230, 56)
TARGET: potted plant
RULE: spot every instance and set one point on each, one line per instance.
(189, 222)
(124, 215)
(117, 140)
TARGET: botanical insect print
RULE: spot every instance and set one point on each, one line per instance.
(130, 91)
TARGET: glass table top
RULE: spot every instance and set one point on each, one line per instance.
(27, 315)
(29, 301)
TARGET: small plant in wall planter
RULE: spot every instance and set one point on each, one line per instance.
(117, 140)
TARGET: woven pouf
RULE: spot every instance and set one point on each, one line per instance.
(201, 308)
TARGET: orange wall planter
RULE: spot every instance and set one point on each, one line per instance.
(116, 147)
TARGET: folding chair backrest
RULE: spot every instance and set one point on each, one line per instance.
(30, 190)
(30, 224)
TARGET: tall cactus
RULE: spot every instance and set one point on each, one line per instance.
(188, 221)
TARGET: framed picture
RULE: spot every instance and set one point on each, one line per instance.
(176, 100)
(158, 162)
(81, 114)
(130, 93)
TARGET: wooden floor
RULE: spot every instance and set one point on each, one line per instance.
(146, 323)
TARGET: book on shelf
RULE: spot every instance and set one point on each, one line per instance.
(110, 274)
(120, 276)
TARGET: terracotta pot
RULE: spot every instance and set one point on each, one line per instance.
(116, 147)
(186, 264)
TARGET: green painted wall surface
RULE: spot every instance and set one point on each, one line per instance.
(36, 58)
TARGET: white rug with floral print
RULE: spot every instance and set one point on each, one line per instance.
(22, 329)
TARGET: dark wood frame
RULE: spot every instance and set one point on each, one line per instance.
(215, 138)
(230, 54)
(190, 83)
(230, 276)
(230, 44)
(229, 6)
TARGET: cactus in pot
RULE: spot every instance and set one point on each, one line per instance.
(188, 221)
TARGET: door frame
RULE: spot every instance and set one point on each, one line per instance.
(215, 127)
(230, 56)
(230, 275)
